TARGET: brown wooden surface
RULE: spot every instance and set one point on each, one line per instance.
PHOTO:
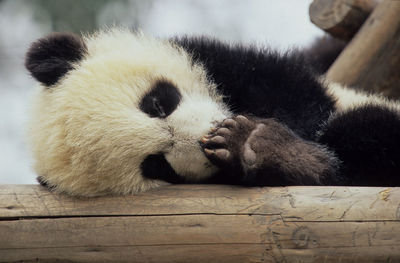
(371, 60)
(341, 18)
(202, 223)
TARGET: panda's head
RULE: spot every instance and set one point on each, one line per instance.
(109, 101)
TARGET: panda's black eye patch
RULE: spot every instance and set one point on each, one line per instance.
(161, 101)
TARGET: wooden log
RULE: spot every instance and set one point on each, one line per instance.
(371, 60)
(202, 223)
(341, 18)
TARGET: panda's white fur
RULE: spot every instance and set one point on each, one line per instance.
(347, 98)
(88, 135)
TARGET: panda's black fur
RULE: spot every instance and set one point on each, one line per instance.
(362, 144)
(265, 83)
(285, 127)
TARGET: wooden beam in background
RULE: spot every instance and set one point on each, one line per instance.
(371, 61)
(341, 18)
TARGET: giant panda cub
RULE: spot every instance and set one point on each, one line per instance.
(119, 112)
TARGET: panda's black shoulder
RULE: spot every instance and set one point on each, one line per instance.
(264, 82)
(219, 56)
(240, 65)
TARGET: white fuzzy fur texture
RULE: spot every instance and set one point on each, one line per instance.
(88, 134)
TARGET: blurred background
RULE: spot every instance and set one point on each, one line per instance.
(280, 24)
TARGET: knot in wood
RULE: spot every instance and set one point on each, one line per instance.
(302, 237)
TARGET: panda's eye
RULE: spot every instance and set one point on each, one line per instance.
(161, 101)
(158, 109)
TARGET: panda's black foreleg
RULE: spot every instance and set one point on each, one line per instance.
(266, 152)
(367, 141)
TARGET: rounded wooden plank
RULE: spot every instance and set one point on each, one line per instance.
(341, 18)
(371, 61)
(297, 203)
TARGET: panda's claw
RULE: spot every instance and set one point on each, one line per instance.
(205, 139)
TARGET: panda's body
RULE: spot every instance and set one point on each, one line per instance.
(119, 112)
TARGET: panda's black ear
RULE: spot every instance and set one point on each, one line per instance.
(50, 58)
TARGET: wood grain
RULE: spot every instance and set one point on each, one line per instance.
(202, 223)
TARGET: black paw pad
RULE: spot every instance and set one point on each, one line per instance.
(242, 120)
(229, 123)
(223, 144)
(215, 146)
(223, 132)
(219, 155)
(249, 155)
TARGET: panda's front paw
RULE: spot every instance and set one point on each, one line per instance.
(225, 145)
(267, 152)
